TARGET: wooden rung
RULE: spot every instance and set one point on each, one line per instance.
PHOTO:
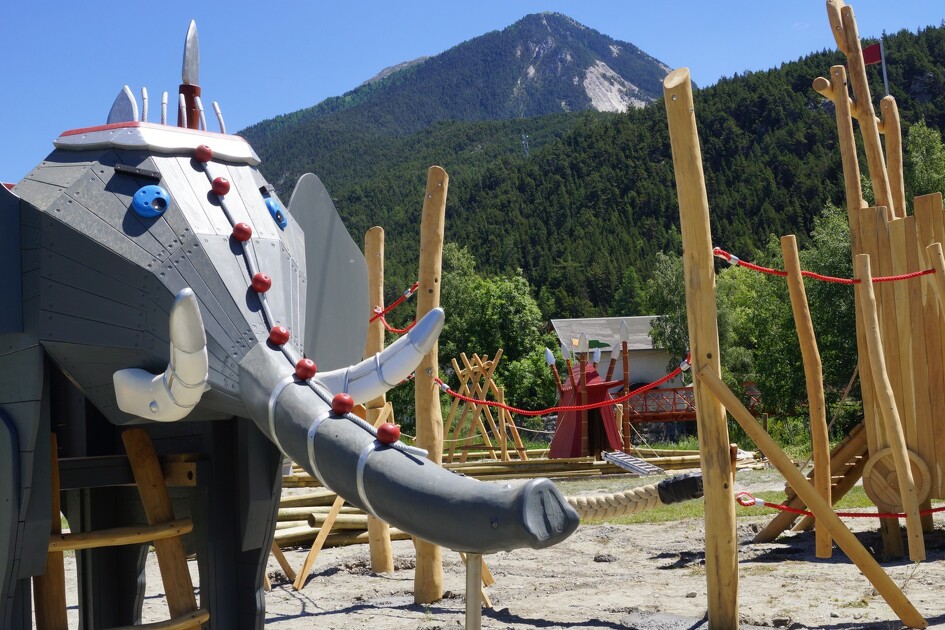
(118, 536)
(191, 620)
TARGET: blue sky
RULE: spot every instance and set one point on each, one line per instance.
(64, 62)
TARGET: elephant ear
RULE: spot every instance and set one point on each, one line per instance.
(336, 295)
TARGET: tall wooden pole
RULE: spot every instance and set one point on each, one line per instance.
(428, 579)
(721, 553)
(850, 544)
(869, 125)
(382, 555)
(814, 378)
(888, 410)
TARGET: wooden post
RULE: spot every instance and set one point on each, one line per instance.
(845, 539)
(893, 133)
(473, 591)
(49, 589)
(869, 127)
(888, 410)
(382, 555)
(178, 586)
(428, 578)
(813, 375)
(721, 553)
(318, 543)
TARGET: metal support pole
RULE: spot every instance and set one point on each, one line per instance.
(473, 591)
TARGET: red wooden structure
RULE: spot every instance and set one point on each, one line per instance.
(602, 431)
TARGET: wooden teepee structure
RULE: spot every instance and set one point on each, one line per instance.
(467, 419)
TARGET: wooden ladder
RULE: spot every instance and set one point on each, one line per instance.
(163, 531)
(847, 461)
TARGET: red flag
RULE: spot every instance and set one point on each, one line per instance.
(872, 54)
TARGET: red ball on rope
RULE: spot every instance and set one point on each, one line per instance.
(388, 433)
(261, 282)
(203, 153)
(305, 369)
(278, 335)
(342, 403)
(242, 232)
(220, 186)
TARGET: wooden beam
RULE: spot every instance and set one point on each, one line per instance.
(845, 539)
(428, 576)
(721, 553)
(49, 589)
(178, 586)
(382, 555)
(814, 379)
(118, 536)
(888, 409)
(193, 619)
(317, 544)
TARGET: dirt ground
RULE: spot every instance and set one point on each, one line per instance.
(608, 576)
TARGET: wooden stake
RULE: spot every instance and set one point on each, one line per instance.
(888, 410)
(814, 378)
(317, 544)
(845, 539)
(428, 578)
(721, 553)
(283, 562)
(893, 129)
(49, 589)
(868, 126)
(382, 555)
(178, 586)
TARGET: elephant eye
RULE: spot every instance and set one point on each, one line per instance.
(277, 213)
(150, 201)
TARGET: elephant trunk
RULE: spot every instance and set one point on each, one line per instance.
(393, 482)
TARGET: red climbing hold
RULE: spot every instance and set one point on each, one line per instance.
(305, 369)
(242, 232)
(203, 153)
(342, 403)
(261, 283)
(278, 335)
(388, 433)
(220, 186)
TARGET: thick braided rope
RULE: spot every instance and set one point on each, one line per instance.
(609, 505)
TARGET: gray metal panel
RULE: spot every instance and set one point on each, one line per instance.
(9, 504)
(235, 278)
(234, 204)
(198, 184)
(202, 218)
(269, 260)
(243, 186)
(336, 304)
(90, 226)
(61, 298)
(63, 327)
(38, 194)
(11, 314)
(63, 176)
(60, 269)
(90, 194)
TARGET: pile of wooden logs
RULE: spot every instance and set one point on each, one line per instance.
(302, 515)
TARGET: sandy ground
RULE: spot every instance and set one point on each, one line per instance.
(608, 576)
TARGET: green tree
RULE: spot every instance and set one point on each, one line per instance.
(925, 160)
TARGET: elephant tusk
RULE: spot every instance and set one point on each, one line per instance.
(171, 395)
(372, 377)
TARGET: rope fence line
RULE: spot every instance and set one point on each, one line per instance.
(379, 313)
(735, 261)
(745, 499)
(543, 412)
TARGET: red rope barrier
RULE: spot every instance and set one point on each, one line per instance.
(379, 314)
(396, 331)
(738, 262)
(542, 412)
(745, 499)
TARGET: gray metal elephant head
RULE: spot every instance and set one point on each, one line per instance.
(163, 274)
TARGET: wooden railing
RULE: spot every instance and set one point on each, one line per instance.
(675, 404)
